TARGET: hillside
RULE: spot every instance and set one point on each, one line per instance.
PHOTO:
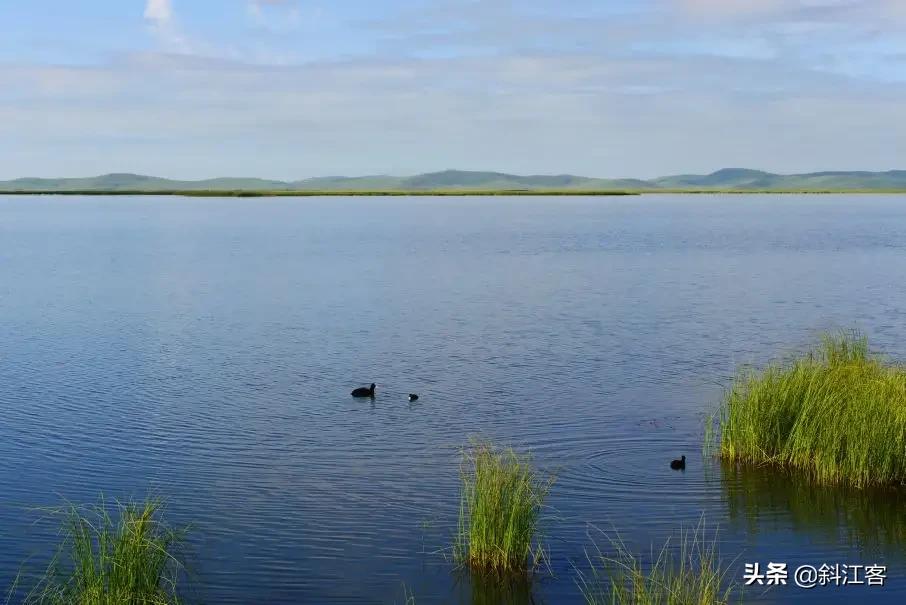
(137, 182)
(744, 179)
(728, 179)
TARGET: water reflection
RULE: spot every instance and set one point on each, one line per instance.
(476, 589)
(764, 499)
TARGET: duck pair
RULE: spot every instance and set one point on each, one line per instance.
(369, 392)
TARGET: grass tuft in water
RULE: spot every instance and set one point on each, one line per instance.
(690, 574)
(500, 508)
(837, 414)
(127, 558)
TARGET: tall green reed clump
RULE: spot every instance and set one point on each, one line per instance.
(838, 414)
(500, 509)
(125, 559)
(689, 574)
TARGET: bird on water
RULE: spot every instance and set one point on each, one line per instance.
(679, 465)
(364, 391)
(413, 397)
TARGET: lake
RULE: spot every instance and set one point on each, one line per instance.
(204, 350)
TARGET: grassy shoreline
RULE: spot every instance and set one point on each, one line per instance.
(451, 192)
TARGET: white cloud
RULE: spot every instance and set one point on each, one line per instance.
(263, 3)
(256, 7)
(732, 6)
(874, 10)
(159, 11)
(162, 22)
(480, 85)
(287, 19)
(180, 116)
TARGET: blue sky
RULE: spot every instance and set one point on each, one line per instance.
(295, 88)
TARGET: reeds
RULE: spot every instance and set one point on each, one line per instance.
(125, 559)
(690, 574)
(837, 414)
(500, 508)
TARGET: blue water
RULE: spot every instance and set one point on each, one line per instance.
(204, 350)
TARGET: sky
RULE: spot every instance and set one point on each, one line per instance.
(290, 89)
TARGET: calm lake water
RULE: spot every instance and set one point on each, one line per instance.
(204, 349)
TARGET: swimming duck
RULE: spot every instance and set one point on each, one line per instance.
(679, 465)
(364, 391)
(413, 397)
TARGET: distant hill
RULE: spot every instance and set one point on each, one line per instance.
(138, 182)
(728, 179)
(346, 183)
(459, 179)
(744, 179)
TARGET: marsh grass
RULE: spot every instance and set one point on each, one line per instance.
(838, 414)
(690, 573)
(500, 508)
(124, 558)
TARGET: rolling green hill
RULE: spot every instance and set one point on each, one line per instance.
(138, 182)
(344, 183)
(743, 179)
(728, 179)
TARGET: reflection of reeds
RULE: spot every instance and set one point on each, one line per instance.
(867, 518)
(837, 414)
(105, 561)
(479, 588)
(500, 507)
(408, 595)
(689, 574)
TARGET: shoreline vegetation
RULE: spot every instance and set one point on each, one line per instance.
(109, 555)
(450, 192)
(836, 415)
